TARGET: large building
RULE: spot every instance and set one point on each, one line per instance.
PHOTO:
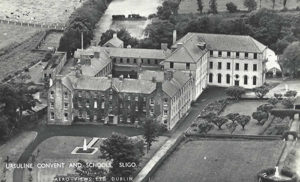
(115, 85)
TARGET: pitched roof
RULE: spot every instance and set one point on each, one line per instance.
(175, 84)
(115, 41)
(149, 75)
(224, 42)
(137, 53)
(134, 86)
(86, 83)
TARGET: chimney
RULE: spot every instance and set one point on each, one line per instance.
(97, 54)
(179, 45)
(168, 75)
(201, 45)
(164, 46)
(115, 35)
(174, 36)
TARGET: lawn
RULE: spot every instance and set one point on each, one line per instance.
(191, 6)
(59, 148)
(14, 34)
(40, 11)
(219, 160)
(51, 41)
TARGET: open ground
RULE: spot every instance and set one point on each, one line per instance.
(190, 6)
(219, 160)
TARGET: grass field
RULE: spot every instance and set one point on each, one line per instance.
(14, 34)
(219, 160)
(40, 11)
(52, 40)
(191, 6)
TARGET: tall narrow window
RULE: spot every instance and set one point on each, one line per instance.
(171, 65)
(219, 65)
(228, 66)
(52, 115)
(237, 54)
(228, 79)
(211, 53)
(254, 67)
(128, 60)
(255, 56)
(254, 80)
(245, 80)
(210, 79)
(211, 65)
(246, 67)
(219, 78)
(187, 66)
(237, 66)
(228, 54)
(66, 116)
(220, 53)
(246, 55)
(149, 61)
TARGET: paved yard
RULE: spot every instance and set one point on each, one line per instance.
(219, 160)
(284, 86)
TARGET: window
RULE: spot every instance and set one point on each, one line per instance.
(144, 99)
(95, 117)
(211, 53)
(156, 61)
(66, 116)
(237, 66)
(87, 104)
(171, 65)
(136, 108)
(165, 112)
(66, 95)
(134, 61)
(237, 54)
(255, 56)
(151, 101)
(95, 104)
(66, 105)
(144, 108)
(246, 55)
(128, 97)
(254, 80)
(121, 60)
(102, 105)
(149, 61)
(79, 94)
(52, 94)
(254, 67)
(110, 96)
(51, 104)
(187, 66)
(210, 78)
(52, 115)
(220, 53)
(211, 65)
(79, 104)
(219, 78)
(245, 80)
(228, 66)
(50, 76)
(87, 116)
(219, 65)
(136, 98)
(114, 60)
(228, 54)
(228, 79)
(128, 60)
(165, 101)
(151, 111)
(142, 60)
(246, 67)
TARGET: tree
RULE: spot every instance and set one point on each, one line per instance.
(277, 96)
(261, 91)
(232, 116)
(151, 130)
(250, 4)
(91, 172)
(205, 127)
(265, 108)
(213, 6)
(231, 7)
(4, 128)
(231, 127)
(219, 121)
(290, 93)
(124, 154)
(273, 101)
(260, 116)
(243, 120)
(291, 58)
(235, 92)
(122, 34)
(200, 6)
(167, 9)
(288, 102)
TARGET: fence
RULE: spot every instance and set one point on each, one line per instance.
(56, 26)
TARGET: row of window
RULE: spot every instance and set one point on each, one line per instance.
(228, 79)
(66, 116)
(187, 65)
(128, 60)
(237, 66)
(237, 54)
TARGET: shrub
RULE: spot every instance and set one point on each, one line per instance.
(243, 120)
(261, 91)
(205, 127)
(260, 116)
(219, 121)
(291, 93)
(282, 113)
(273, 101)
(288, 102)
(231, 127)
(232, 116)
(277, 96)
(265, 108)
(235, 92)
(231, 7)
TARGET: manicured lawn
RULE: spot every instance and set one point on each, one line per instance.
(191, 6)
(219, 160)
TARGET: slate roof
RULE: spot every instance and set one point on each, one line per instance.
(86, 83)
(134, 86)
(115, 41)
(137, 53)
(224, 42)
(149, 74)
(175, 84)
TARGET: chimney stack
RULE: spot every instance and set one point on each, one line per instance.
(174, 36)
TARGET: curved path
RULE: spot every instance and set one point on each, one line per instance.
(46, 132)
